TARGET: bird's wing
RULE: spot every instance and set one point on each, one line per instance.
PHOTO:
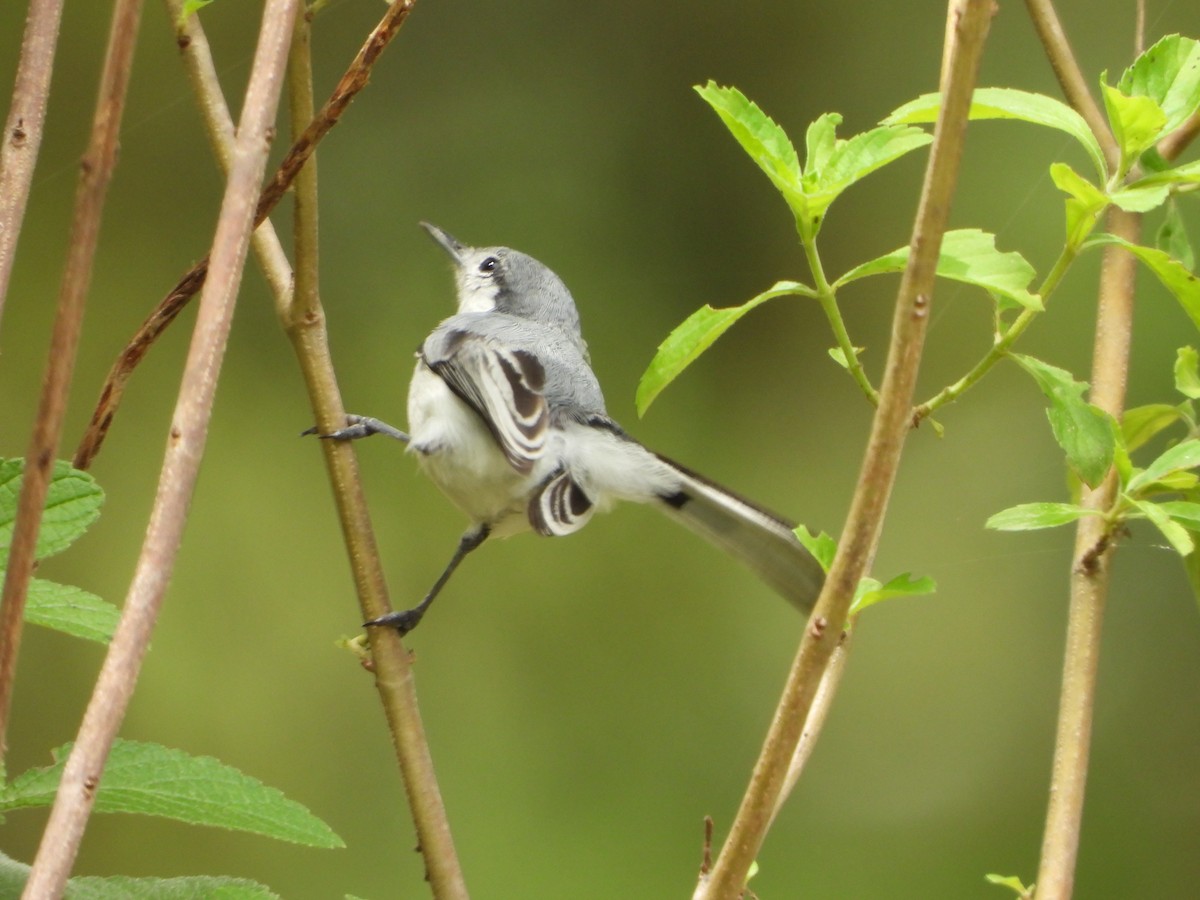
(503, 385)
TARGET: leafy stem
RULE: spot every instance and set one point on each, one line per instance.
(827, 297)
(1003, 343)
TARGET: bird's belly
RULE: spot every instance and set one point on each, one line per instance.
(459, 454)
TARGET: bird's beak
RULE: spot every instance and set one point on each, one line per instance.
(446, 241)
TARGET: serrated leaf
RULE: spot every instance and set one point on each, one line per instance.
(1007, 103)
(766, 143)
(819, 140)
(1177, 536)
(695, 335)
(854, 159)
(821, 545)
(903, 585)
(1032, 516)
(1137, 123)
(14, 874)
(156, 780)
(1179, 458)
(70, 610)
(72, 504)
(1084, 202)
(1087, 434)
(1169, 74)
(1140, 424)
(1174, 277)
(1187, 372)
(970, 256)
(1172, 238)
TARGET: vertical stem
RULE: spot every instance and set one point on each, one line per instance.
(890, 426)
(23, 129)
(1089, 579)
(185, 448)
(97, 166)
(303, 319)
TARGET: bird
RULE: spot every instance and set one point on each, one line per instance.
(507, 418)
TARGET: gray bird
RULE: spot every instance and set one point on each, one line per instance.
(507, 418)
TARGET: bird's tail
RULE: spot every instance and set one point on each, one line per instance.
(758, 538)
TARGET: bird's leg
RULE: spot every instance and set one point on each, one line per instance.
(406, 620)
(361, 427)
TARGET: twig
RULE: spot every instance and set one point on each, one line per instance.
(23, 128)
(96, 169)
(1089, 579)
(304, 321)
(353, 81)
(181, 463)
(1070, 78)
(889, 429)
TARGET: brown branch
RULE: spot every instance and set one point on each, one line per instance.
(303, 320)
(353, 81)
(1070, 78)
(96, 169)
(890, 427)
(23, 129)
(181, 463)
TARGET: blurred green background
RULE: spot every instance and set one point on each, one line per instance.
(590, 700)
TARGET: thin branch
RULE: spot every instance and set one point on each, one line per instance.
(304, 321)
(23, 129)
(185, 449)
(1070, 78)
(889, 429)
(96, 169)
(1089, 578)
(353, 81)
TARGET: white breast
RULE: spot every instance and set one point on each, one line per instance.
(462, 458)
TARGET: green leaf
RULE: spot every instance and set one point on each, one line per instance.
(72, 504)
(1169, 74)
(821, 545)
(1084, 203)
(838, 355)
(766, 143)
(1175, 533)
(1172, 238)
(14, 874)
(190, 8)
(1086, 433)
(695, 335)
(1174, 277)
(852, 160)
(1140, 424)
(1187, 372)
(1179, 176)
(155, 780)
(871, 591)
(1137, 123)
(1181, 457)
(1007, 103)
(70, 610)
(820, 140)
(970, 256)
(1013, 882)
(1185, 512)
(1141, 197)
(1032, 516)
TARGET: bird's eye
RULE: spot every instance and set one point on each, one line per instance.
(489, 265)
